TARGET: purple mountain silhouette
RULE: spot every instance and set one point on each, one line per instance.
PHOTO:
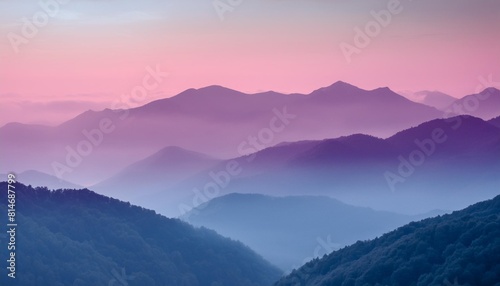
(463, 162)
(435, 98)
(485, 105)
(495, 121)
(213, 120)
(155, 173)
(463, 134)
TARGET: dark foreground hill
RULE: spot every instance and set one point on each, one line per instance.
(460, 248)
(77, 237)
(495, 121)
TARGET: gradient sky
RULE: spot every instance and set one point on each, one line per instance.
(92, 51)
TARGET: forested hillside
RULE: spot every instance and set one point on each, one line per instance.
(461, 248)
(77, 237)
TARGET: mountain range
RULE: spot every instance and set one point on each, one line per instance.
(217, 121)
(213, 120)
(280, 143)
(485, 104)
(413, 171)
(434, 98)
(160, 171)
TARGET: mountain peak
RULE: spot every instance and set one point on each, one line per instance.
(384, 88)
(387, 93)
(217, 89)
(213, 87)
(211, 91)
(342, 85)
(338, 88)
(490, 90)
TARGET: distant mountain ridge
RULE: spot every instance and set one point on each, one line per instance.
(485, 104)
(459, 248)
(269, 224)
(159, 171)
(435, 98)
(387, 174)
(213, 120)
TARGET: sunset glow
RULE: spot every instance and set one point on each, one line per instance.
(90, 52)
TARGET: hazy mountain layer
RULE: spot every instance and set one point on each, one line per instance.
(289, 231)
(214, 120)
(456, 249)
(441, 164)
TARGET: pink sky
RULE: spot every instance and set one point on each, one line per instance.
(91, 52)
